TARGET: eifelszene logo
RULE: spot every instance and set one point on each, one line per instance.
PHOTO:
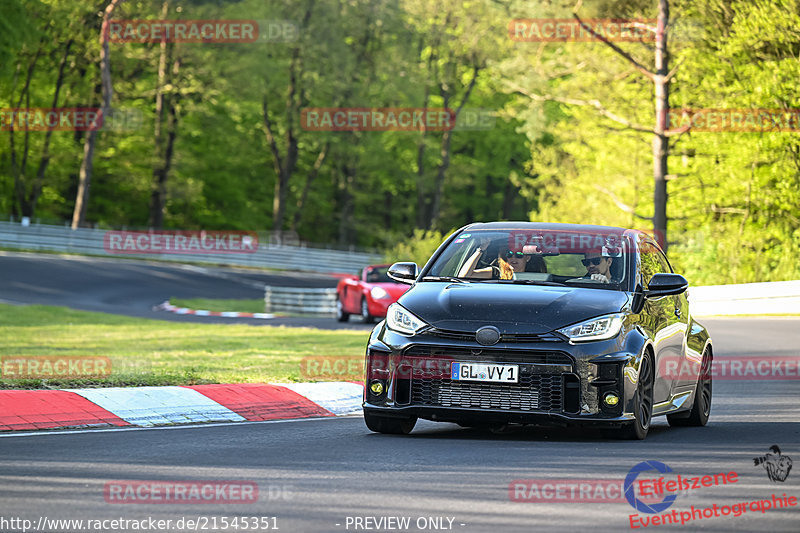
(777, 466)
(636, 503)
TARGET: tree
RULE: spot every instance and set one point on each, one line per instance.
(661, 77)
(87, 164)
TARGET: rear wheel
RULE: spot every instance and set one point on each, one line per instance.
(643, 403)
(392, 426)
(365, 312)
(341, 316)
(701, 407)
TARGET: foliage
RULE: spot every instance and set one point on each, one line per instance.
(417, 248)
(734, 198)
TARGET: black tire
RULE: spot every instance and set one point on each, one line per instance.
(698, 415)
(643, 403)
(368, 319)
(391, 426)
(341, 316)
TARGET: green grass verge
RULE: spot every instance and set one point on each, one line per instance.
(209, 304)
(154, 352)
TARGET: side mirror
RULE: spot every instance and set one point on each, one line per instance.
(404, 272)
(666, 285)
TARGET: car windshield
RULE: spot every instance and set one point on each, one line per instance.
(379, 275)
(585, 258)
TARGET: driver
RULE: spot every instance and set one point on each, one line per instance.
(598, 266)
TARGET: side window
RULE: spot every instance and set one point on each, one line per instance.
(662, 259)
(649, 261)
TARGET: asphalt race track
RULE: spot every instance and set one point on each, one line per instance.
(334, 475)
(314, 474)
(133, 287)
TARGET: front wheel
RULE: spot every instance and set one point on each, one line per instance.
(643, 404)
(701, 407)
(388, 425)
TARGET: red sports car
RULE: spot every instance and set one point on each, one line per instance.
(367, 295)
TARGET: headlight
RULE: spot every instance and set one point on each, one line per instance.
(378, 293)
(595, 329)
(402, 321)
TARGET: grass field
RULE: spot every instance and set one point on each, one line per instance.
(154, 352)
(209, 304)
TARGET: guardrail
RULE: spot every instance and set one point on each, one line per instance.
(776, 297)
(781, 297)
(269, 255)
(318, 302)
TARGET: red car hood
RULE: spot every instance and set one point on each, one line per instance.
(395, 290)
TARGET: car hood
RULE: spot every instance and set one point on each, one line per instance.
(511, 308)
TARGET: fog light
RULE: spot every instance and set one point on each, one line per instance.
(376, 387)
(611, 399)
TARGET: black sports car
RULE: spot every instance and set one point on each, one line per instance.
(519, 322)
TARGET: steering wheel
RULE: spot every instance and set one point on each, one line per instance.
(482, 263)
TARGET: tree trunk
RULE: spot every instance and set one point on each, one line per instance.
(445, 152)
(18, 171)
(85, 174)
(156, 218)
(660, 140)
(312, 175)
(45, 160)
(422, 196)
(346, 225)
(440, 173)
(285, 166)
(509, 195)
(158, 208)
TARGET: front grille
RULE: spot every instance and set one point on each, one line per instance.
(505, 337)
(488, 354)
(542, 392)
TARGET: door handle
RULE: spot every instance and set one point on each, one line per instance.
(678, 312)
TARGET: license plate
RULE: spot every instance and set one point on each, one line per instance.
(484, 372)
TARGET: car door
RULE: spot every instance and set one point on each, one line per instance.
(655, 318)
(678, 313)
(351, 299)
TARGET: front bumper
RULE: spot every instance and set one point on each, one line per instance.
(559, 383)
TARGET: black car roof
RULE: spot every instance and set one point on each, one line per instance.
(543, 226)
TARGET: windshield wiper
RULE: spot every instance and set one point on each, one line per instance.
(444, 278)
